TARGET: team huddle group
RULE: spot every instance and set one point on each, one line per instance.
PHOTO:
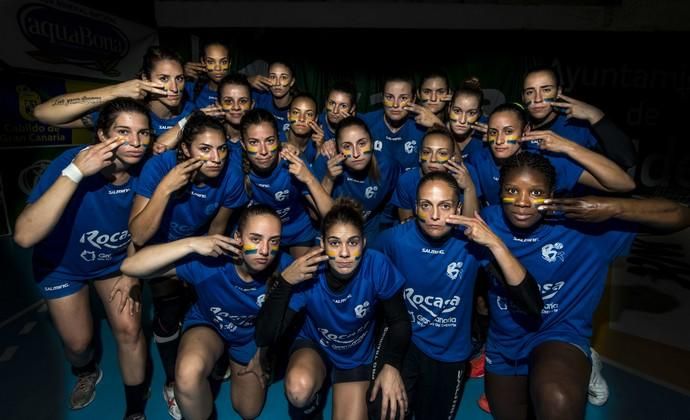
(370, 255)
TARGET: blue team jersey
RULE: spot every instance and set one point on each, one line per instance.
(328, 134)
(475, 145)
(405, 194)
(567, 174)
(188, 213)
(224, 300)
(572, 129)
(204, 98)
(285, 194)
(160, 125)
(90, 239)
(343, 323)
(439, 287)
(569, 262)
(264, 100)
(373, 195)
(309, 153)
(402, 146)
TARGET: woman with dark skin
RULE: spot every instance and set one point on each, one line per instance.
(541, 365)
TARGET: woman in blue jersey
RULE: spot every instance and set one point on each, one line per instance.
(304, 133)
(437, 154)
(340, 299)
(440, 265)
(274, 92)
(582, 123)
(464, 112)
(508, 130)
(359, 172)
(181, 193)
(160, 84)
(76, 220)
(234, 100)
(205, 76)
(230, 277)
(542, 364)
(434, 93)
(281, 180)
(341, 103)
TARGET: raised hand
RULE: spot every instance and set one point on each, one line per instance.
(214, 111)
(296, 167)
(94, 158)
(587, 209)
(192, 69)
(317, 132)
(335, 166)
(424, 116)
(215, 245)
(460, 173)
(304, 267)
(548, 140)
(260, 82)
(578, 109)
(180, 175)
(328, 148)
(476, 229)
(138, 89)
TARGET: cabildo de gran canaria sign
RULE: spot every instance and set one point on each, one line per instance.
(64, 37)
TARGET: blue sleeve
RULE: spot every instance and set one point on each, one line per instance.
(190, 270)
(189, 88)
(320, 167)
(567, 173)
(401, 195)
(298, 300)
(475, 179)
(388, 279)
(152, 174)
(51, 174)
(235, 194)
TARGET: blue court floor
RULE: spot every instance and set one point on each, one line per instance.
(36, 381)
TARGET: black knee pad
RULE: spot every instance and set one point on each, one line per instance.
(169, 312)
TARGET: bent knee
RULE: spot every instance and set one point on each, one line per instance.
(300, 387)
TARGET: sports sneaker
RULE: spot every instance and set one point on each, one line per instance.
(84, 390)
(484, 403)
(598, 391)
(169, 397)
(477, 366)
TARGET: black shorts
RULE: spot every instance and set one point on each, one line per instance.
(360, 373)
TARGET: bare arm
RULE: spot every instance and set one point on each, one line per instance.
(600, 172)
(37, 220)
(157, 260)
(66, 110)
(655, 213)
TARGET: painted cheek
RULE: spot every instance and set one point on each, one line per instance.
(331, 253)
(366, 150)
(508, 200)
(422, 216)
(250, 249)
(224, 66)
(223, 154)
(492, 137)
(274, 250)
(388, 103)
(512, 139)
(453, 116)
(357, 254)
(252, 150)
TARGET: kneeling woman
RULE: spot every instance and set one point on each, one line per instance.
(230, 292)
(545, 363)
(338, 334)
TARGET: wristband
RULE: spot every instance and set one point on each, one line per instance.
(72, 172)
(182, 123)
